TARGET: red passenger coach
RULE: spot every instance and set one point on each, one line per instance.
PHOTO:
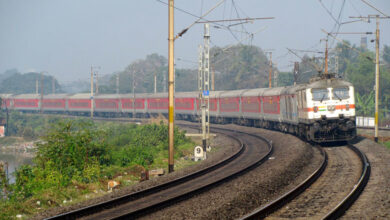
(185, 104)
(229, 104)
(128, 103)
(79, 103)
(271, 104)
(54, 102)
(106, 103)
(251, 104)
(158, 105)
(27, 102)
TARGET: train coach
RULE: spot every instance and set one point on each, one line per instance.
(320, 111)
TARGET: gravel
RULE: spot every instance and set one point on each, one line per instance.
(291, 162)
(374, 202)
(223, 147)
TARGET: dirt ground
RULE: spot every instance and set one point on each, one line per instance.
(374, 202)
(292, 161)
(223, 147)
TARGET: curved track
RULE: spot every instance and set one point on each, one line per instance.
(250, 155)
(324, 199)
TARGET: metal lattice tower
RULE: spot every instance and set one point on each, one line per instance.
(206, 87)
(200, 71)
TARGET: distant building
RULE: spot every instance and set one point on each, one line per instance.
(363, 42)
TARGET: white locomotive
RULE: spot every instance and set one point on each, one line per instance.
(320, 111)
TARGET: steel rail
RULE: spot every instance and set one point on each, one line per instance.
(139, 194)
(347, 202)
(336, 212)
(165, 203)
(269, 208)
(136, 195)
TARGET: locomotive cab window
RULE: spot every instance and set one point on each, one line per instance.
(340, 93)
(320, 94)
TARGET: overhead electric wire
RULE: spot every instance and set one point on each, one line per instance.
(354, 7)
(191, 14)
(316, 67)
(338, 24)
(201, 18)
(344, 43)
(367, 3)
(327, 10)
(238, 15)
(224, 49)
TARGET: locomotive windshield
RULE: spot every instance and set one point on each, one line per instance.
(340, 93)
(320, 94)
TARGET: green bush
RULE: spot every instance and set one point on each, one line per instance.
(83, 151)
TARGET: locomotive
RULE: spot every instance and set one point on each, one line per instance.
(322, 110)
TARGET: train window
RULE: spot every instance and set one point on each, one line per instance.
(340, 93)
(320, 94)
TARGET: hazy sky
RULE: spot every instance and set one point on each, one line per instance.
(66, 37)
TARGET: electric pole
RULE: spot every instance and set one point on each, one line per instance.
(326, 56)
(212, 78)
(296, 72)
(270, 70)
(117, 83)
(205, 101)
(155, 83)
(170, 86)
(377, 17)
(275, 78)
(41, 92)
(200, 72)
(91, 92)
(97, 82)
(36, 86)
(53, 85)
(336, 64)
(133, 93)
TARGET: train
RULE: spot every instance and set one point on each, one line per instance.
(322, 110)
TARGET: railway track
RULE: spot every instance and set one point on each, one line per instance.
(249, 156)
(297, 201)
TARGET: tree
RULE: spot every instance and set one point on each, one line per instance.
(25, 83)
(285, 79)
(386, 55)
(239, 67)
(365, 104)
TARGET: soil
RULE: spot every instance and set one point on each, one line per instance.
(374, 202)
(339, 178)
(292, 161)
(223, 147)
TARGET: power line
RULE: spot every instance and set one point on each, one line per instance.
(376, 9)
(338, 24)
(200, 18)
(238, 15)
(354, 7)
(327, 10)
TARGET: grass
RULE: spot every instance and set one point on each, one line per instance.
(6, 141)
(77, 191)
(387, 144)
